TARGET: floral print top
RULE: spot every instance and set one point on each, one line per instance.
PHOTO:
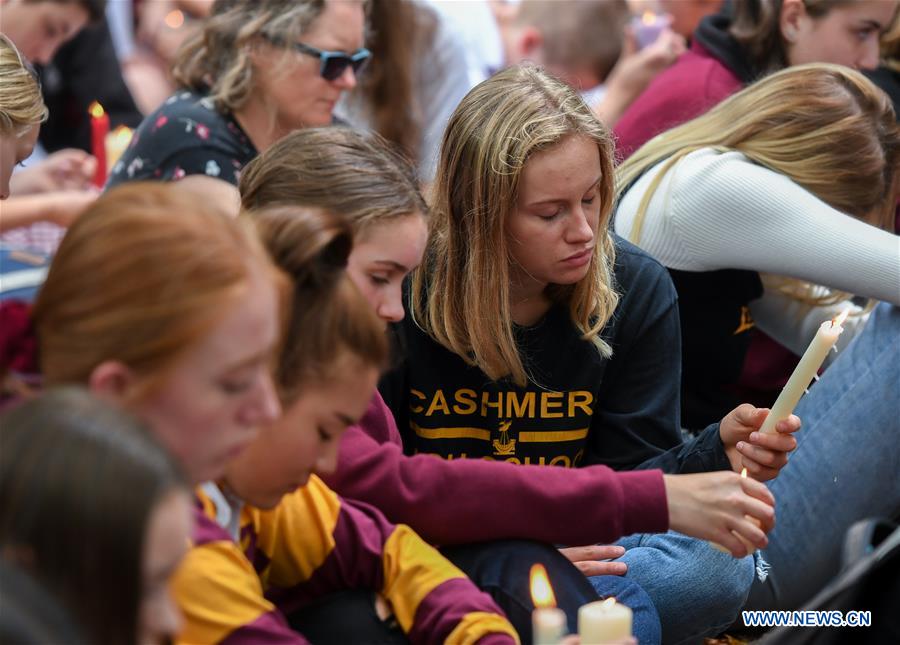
(186, 135)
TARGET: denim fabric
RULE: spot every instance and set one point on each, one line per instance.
(502, 568)
(846, 466)
(697, 590)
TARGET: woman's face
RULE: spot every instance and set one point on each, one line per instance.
(166, 542)
(211, 402)
(38, 29)
(290, 80)
(382, 256)
(847, 35)
(551, 231)
(305, 439)
(14, 150)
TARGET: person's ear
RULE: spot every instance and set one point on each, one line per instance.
(112, 380)
(793, 15)
(530, 43)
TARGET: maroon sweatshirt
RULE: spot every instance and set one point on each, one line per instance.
(472, 500)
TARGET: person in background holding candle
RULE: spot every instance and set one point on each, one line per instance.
(22, 111)
(507, 348)
(790, 178)
(257, 70)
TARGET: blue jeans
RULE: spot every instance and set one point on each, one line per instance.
(697, 590)
(846, 466)
(502, 568)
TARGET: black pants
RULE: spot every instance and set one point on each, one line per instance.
(499, 568)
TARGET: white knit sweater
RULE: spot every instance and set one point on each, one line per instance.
(716, 210)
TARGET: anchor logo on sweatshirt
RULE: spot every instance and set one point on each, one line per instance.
(746, 322)
(504, 445)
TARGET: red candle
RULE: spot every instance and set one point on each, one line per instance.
(99, 130)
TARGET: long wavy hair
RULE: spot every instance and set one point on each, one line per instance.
(826, 127)
(460, 294)
(217, 57)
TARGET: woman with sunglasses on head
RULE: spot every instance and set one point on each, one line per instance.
(257, 70)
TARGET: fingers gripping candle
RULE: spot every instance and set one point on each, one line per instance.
(805, 371)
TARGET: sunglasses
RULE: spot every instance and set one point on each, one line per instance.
(332, 64)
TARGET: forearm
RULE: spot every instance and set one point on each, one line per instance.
(703, 453)
(25, 210)
(446, 501)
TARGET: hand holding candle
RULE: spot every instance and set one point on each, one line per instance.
(99, 130)
(548, 623)
(805, 371)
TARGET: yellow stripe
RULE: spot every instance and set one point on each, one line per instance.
(452, 433)
(412, 570)
(476, 625)
(558, 435)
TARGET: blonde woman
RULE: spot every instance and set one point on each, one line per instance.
(764, 184)
(22, 111)
(256, 71)
(791, 178)
(537, 337)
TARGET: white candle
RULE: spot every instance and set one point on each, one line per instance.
(603, 621)
(548, 623)
(648, 26)
(805, 371)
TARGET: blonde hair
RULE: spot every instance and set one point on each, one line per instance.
(21, 104)
(826, 127)
(357, 175)
(460, 295)
(144, 273)
(328, 316)
(217, 57)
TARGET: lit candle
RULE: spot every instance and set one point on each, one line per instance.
(604, 621)
(99, 130)
(648, 26)
(116, 142)
(548, 622)
(805, 371)
(749, 545)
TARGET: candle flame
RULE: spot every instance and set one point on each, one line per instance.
(838, 320)
(648, 18)
(744, 473)
(122, 133)
(608, 604)
(541, 591)
(96, 110)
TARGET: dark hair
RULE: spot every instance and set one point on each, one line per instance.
(31, 615)
(79, 481)
(328, 315)
(96, 9)
(756, 26)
